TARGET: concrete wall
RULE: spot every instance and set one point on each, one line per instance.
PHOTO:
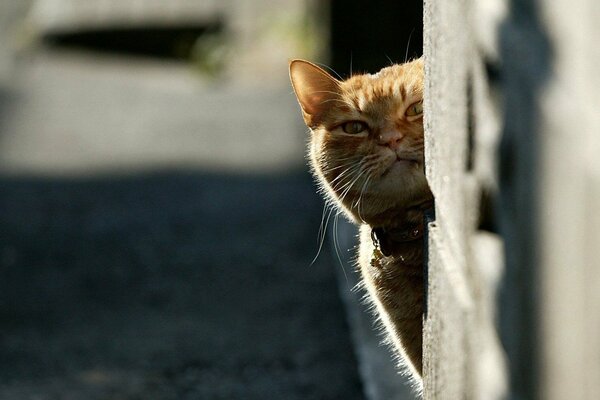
(461, 352)
(512, 106)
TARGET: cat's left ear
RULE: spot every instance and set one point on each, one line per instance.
(315, 89)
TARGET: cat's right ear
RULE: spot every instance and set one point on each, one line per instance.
(316, 90)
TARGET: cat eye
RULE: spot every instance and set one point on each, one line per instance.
(414, 109)
(354, 127)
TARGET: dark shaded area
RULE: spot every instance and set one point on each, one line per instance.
(168, 42)
(368, 36)
(488, 211)
(169, 286)
(527, 56)
(470, 125)
(487, 218)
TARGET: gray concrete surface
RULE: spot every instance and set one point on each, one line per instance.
(129, 272)
(463, 358)
(543, 251)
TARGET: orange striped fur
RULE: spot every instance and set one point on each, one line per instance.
(366, 151)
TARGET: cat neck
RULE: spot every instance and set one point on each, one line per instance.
(400, 218)
(404, 228)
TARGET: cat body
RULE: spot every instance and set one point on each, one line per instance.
(366, 152)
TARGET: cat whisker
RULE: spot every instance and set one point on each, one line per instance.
(321, 233)
(344, 174)
(323, 229)
(335, 99)
(336, 161)
(370, 157)
(345, 165)
(344, 102)
(354, 159)
(325, 91)
(359, 201)
(389, 59)
(349, 186)
(327, 67)
(363, 167)
(336, 245)
(346, 186)
(353, 168)
(408, 45)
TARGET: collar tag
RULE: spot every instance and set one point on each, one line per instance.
(376, 258)
(384, 240)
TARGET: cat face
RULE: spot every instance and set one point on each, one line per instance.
(366, 145)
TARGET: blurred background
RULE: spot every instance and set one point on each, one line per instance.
(157, 219)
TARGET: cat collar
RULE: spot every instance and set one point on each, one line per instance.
(385, 239)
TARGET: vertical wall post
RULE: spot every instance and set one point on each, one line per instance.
(462, 354)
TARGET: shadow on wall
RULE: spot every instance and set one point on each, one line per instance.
(527, 57)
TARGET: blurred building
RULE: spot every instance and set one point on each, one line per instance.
(247, 39)
(212, 67)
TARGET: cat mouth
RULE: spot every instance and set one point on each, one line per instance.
(405, 160)
(400, 164)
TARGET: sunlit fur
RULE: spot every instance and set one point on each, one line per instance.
(356, 170)
(374, 176)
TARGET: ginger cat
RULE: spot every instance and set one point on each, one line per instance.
(366, 151)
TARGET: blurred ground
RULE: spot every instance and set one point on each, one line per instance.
(128, 272)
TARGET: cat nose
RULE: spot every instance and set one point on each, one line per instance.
(390, 138)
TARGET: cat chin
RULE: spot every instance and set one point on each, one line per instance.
(401, 167)
(388, 198)
(401, 183)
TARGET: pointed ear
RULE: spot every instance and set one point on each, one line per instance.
(315, 89)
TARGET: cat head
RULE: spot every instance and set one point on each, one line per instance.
(366, 146)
